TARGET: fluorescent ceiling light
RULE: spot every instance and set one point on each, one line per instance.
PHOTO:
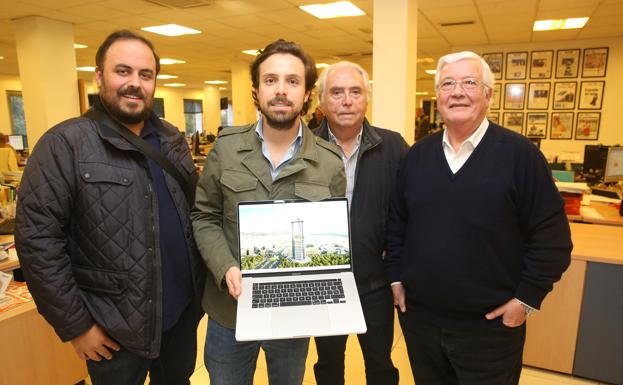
(171, 61)
(332, 10)
(422, 93)
(215, 82)
(252, 52)
(430, 72)
(322, 65)
(174, 84)
(86, 69)
(552, 25)
(1, 57)
(77, 46)
(370, 81)
(165, 76)
(425, 60)
(222, 88)
(171, 30)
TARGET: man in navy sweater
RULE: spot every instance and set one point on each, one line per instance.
(477, 236)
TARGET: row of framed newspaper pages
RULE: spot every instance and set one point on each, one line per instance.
(575, 102)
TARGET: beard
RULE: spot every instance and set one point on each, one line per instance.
(130, 114)
(280, 120)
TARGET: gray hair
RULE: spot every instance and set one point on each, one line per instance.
(322, 80)
(487, 76)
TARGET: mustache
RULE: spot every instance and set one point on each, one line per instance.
(280, 100)
(131, 91)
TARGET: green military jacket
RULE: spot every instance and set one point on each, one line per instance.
(236, 170)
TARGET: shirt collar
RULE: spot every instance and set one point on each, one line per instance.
(148, 129)
(333, 139)
(474, 138)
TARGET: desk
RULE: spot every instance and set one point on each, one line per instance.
(30, 352)
(577, 330)
(600, 213)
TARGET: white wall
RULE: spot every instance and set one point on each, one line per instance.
(611, 127)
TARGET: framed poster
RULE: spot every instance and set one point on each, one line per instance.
(541, 64)
(538, 96)
(513, 121)
(516, 65)
(562, 125)
(496, 63)
(514, 96)
(587, 126)
(591, 95)
(494, 117)
(595, 62)
(564, 95)
(567, 63)
(495, 98)
(536, 125)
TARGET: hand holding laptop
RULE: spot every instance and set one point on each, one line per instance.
(233, 279)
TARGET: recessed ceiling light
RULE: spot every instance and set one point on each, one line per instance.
(215, 82)
(171, 30)
(332, 10)
(174, 84)
(86, 69)
(322, 65)
(165, 76)
(421, 93)
(78, 46)
(222, 88)
(252, 52)
(370, 81)
(552, 25)
(1, 57)
(430, 72)
(425, 60)
(171, 61)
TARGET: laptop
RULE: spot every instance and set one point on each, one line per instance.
(297, 278)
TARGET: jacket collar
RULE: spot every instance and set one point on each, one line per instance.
(369, 137)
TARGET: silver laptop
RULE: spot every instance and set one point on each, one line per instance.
(297, 278)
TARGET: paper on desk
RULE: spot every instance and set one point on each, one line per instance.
(573, 187)
(590, 212)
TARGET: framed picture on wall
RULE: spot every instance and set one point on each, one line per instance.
(562, 125)
(567, 63)
(541, 64)
(591, 95)
(595, 62)
(495, 98)
(516, 65)
(564, 95)
(513, 121)
(587, 126)
(494, 117)
(496, 63)
(538, 96)
(536, 125)
(514, 96)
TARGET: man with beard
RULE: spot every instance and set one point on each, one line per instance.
(103, 233)
(275, 158)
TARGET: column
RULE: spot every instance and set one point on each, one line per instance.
(394, 60)
(245, 111)
(211, 108)
(47, 69)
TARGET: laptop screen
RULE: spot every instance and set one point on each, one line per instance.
(293, 236)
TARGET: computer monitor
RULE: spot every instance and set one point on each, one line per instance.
(17, 142)
(614, 165)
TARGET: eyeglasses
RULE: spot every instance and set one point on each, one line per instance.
(469, 84)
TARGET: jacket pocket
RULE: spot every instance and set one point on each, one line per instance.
(238, 181)
(92, 172)
(311, 192)
(99, 280)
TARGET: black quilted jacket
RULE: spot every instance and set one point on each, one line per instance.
(87, 232)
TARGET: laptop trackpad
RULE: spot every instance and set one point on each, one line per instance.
(301, 321)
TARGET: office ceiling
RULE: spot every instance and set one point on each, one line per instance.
(230, 26)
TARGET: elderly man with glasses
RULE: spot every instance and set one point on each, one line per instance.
(477, 236)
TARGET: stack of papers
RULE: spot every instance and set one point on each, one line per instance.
(573, 187)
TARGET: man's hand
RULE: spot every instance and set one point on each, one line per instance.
(512, 312)
(233, 279)
(398, 292)
(94, 344)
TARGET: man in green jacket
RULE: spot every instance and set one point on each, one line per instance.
(275, 158)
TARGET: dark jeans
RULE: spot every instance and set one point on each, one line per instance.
(175, 365)
(376, 344)
(487, 356)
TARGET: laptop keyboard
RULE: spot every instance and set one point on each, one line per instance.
(297, 293)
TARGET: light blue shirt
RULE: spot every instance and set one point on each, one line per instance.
(294, 147)
(350, 163)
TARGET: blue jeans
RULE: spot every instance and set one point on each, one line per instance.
(230, 362)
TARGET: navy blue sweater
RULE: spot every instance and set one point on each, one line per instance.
(465, 243)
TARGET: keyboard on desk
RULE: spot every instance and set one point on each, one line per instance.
(297, 293)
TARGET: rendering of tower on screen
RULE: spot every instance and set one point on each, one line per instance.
(298, 241)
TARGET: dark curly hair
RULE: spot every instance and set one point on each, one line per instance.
(289, 47)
